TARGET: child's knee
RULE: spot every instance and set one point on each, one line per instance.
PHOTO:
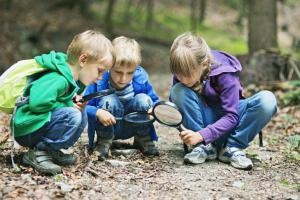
(268, 102)
(75, 116)
(142, 102)
(179, 93)
(111, 103)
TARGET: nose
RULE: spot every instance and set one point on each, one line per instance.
(123, 78)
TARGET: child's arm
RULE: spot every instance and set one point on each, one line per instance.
(229, 85)
(94, 113)
(151, 92)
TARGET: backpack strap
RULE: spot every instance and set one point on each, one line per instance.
(20, 101)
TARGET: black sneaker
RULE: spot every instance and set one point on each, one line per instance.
(41, 161)
(146, 145)
(102, 148)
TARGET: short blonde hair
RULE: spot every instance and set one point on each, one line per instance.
(127, 50)
(93, 43)
(188, 52)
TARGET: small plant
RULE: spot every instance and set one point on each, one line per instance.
(294, 150)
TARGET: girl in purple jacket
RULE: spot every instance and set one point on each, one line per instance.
(208, 92)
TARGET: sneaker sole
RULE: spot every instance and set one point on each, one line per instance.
(40, 169)
(241, 167)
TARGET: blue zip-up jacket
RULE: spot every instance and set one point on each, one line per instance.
(141, 84)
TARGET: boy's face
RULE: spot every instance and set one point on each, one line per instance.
(122, 75)
(91, 71)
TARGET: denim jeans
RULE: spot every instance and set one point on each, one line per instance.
(62, 132)
(254, 113)
(122, 129)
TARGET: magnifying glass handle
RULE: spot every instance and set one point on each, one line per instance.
(181, 128)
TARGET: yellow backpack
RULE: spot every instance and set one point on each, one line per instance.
(13, 82)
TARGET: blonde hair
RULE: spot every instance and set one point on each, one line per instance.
(188, 52)
(127, 50)
(93, 43)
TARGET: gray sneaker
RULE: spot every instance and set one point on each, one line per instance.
(236, 157)
(200, 154)
(41, 161)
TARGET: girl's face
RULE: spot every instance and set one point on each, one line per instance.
(191, 79)
(194, 76)
(91, 71)
(121, 75)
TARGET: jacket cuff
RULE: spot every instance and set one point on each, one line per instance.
(206, 134)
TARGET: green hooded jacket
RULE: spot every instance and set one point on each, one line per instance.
(54, 89)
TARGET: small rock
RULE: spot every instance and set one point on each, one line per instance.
(238, 184)
(124, 152)
(224, 198)
(65, 187)
(292, 197)
(116, 163)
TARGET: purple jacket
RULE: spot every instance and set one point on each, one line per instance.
(222, 90)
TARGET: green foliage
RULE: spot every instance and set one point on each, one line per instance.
(168, 23)
(291, 98)
(294, 151)
(58, 178)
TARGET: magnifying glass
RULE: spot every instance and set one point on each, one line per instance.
(97, 95)
(165, 112)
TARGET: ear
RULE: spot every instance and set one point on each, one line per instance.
(82, 59)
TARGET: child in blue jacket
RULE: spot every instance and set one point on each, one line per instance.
(134, 92)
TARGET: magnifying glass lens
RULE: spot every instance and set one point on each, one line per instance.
(168, 115)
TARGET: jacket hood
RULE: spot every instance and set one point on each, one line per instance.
(223, 62)
(57, 61)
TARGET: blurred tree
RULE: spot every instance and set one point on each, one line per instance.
(6, 4)
(193, 18)
(108, 17)
(150, 15)
(82, 5)
(243, 9)
(262, 25)
(202, 11)
(126, 14)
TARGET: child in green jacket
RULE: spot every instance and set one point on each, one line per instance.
(50, 121)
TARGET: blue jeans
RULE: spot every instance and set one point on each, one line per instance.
(122, 129)
(62, 132)
(254, 113)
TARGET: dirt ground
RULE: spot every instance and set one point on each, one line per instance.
(129, 175)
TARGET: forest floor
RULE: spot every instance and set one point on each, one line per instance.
(276, 173)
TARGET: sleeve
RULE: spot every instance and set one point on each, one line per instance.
(228, 85)
(150, 89)
(151, 92)
(44, 100)
(91, 109)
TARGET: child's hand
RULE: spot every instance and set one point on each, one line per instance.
(190, 137)
(105, 117)
(150, 110)
(77, 104)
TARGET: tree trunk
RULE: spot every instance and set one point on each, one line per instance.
(126, 15)
(262, 25)
(193, 18)
(202, 11)
(108, 17)
(150, 15)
